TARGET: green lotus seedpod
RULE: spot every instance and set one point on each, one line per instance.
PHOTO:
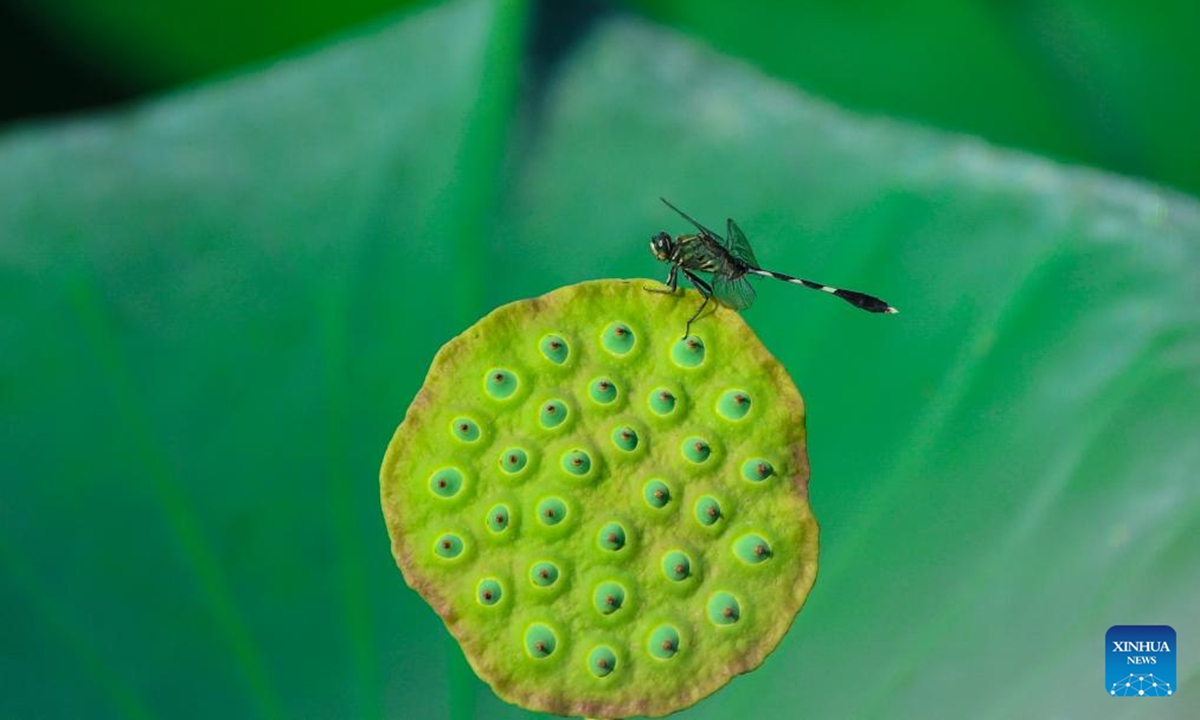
(611, 520)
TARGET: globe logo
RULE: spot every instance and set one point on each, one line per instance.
(1133, 685)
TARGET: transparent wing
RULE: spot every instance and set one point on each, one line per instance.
(737, 293)
(690, 219)
(738, 245)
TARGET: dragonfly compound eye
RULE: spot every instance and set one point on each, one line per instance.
(660, 245)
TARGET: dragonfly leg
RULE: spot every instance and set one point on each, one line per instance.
(687, 330)
(705, 290)
(672, 283)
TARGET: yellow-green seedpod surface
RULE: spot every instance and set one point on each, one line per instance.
(612, 519)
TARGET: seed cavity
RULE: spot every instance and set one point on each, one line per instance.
(724, 608)
(577, 462)
(448, 546)
(688, 352)
(661, 401)
(656, 494)
(734, 404)
(608, 597)
(554, 349)
(465, 429)
(696, 449)
(708, 511)
(676, 565)
(602, 660)
(552, 414)
(752, 549)
(625, 438)
(543, 574)
(663, 642)
(618, 338)
(551, 511)
(446, 483)
(756, 470)
(498, 518)
(540, 641)
(513, 460)
(500, 383)
(488, 592)
(603, 390)
(611, 536)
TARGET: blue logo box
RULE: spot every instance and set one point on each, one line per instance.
(1139, 661)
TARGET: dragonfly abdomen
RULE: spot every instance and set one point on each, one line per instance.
(862, 301)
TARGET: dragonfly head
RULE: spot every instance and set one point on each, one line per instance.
(662, 245)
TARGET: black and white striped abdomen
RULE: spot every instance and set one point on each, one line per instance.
(870, 303)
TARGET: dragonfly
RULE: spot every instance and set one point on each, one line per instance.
(729, 262)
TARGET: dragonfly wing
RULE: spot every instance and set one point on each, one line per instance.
(690, 219)
(738, 245)
(735, 293)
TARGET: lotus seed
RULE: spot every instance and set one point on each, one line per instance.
(553, 414)
(551, 511)
(543, 574)
(500, 383)
(664, 642)
(656, 494)
(446, 483)
(513, 460)
(540, 641)
(723, 609)
(489, 591)
(708, 510)
(696, 449)
(688, 352)
(608, 597)
(498, 519)
(625, 438)
(465, 429)
(612, 536)
(734, 405)
(757, 470)
(577, 462)
(676, 565)
(752, 549)
(603, 391)
(602, 661)
(448, 546)
(618, 338)
(662, 401)
(554, 349)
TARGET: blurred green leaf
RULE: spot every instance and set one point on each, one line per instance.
(220, 303)
(159, 44)
(1095, 81)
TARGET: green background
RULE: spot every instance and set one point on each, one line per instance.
(1108, 83)
(218, 302)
